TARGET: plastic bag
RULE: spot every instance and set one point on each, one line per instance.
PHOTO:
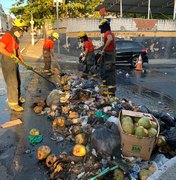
(106, 140)
(144, 109)
(166, 118)
(53, 97)
(171, 136)
(160, 160)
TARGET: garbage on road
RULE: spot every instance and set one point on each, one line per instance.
(106, 137)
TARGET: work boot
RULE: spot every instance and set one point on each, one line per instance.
(16, 108)
(22, 100)
(46, 71)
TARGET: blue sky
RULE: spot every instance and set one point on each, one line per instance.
(6, 5)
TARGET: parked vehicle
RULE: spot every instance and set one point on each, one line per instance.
(128, 51)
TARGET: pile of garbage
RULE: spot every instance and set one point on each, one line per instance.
(84, 112)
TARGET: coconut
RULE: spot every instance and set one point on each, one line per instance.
(141, 131)
(152, 132)
(126, 119)
(145, 122)
(154, 125)
(161, 140)
(128, 127)
(144, 174)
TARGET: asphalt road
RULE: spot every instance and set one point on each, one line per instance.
(154, 88)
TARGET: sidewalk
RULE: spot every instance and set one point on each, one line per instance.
(34, 51)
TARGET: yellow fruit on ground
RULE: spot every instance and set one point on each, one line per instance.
(34, 132)
(79, 150)
(73, 115)
(50, 160)
(80, 139)
(59, 122)
(43, 152)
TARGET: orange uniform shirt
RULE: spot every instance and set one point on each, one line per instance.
(10, 43)
(48, 44)
(88, 45)
(112, 45)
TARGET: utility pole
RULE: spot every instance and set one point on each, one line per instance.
(57, 25)
(149, 10)
(174, 14)
(32, 27)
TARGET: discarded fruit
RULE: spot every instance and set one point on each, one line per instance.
(126, 119)
(144, 174)
(80, 139)
(145, 122)
(73, 115)
(154, 125)
(152, 132)
(161, 140)
(43, 152)
(128, 127)
(79, 150)
(60, 122)
(141, 131)
(50, 160)
(76, 130)
(38, 109)
(34, 132)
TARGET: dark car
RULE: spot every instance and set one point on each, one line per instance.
(128, 51)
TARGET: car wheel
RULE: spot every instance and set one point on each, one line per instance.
(134, 61)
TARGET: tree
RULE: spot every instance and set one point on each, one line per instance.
(44, 9)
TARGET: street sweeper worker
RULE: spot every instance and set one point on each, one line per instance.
(107, 64)
(48, 51)
(11, 56)
(88, 55)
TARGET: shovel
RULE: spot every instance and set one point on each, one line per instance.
(17, 60)
(43, 77)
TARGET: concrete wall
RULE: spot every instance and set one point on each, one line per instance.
(157, 36)
(118, 24)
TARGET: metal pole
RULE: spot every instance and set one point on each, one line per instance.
(148, 9)
(32, 29)
(121, 13)
(57, 26)
(174, 14)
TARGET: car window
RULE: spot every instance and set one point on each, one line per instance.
(127, 44)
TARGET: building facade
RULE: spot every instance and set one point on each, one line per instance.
(3, 20)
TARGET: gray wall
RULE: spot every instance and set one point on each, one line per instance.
(158, 36)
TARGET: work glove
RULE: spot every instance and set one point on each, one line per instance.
(83, 59)
(28, 67)
(16, 59)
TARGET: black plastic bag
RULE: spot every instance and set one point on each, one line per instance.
(166, 118)
(106, 140)
(171, 136)
(144, 109)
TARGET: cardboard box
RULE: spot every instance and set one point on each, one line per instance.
(134, 146)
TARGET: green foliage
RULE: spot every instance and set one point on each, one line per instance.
(44, 9)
